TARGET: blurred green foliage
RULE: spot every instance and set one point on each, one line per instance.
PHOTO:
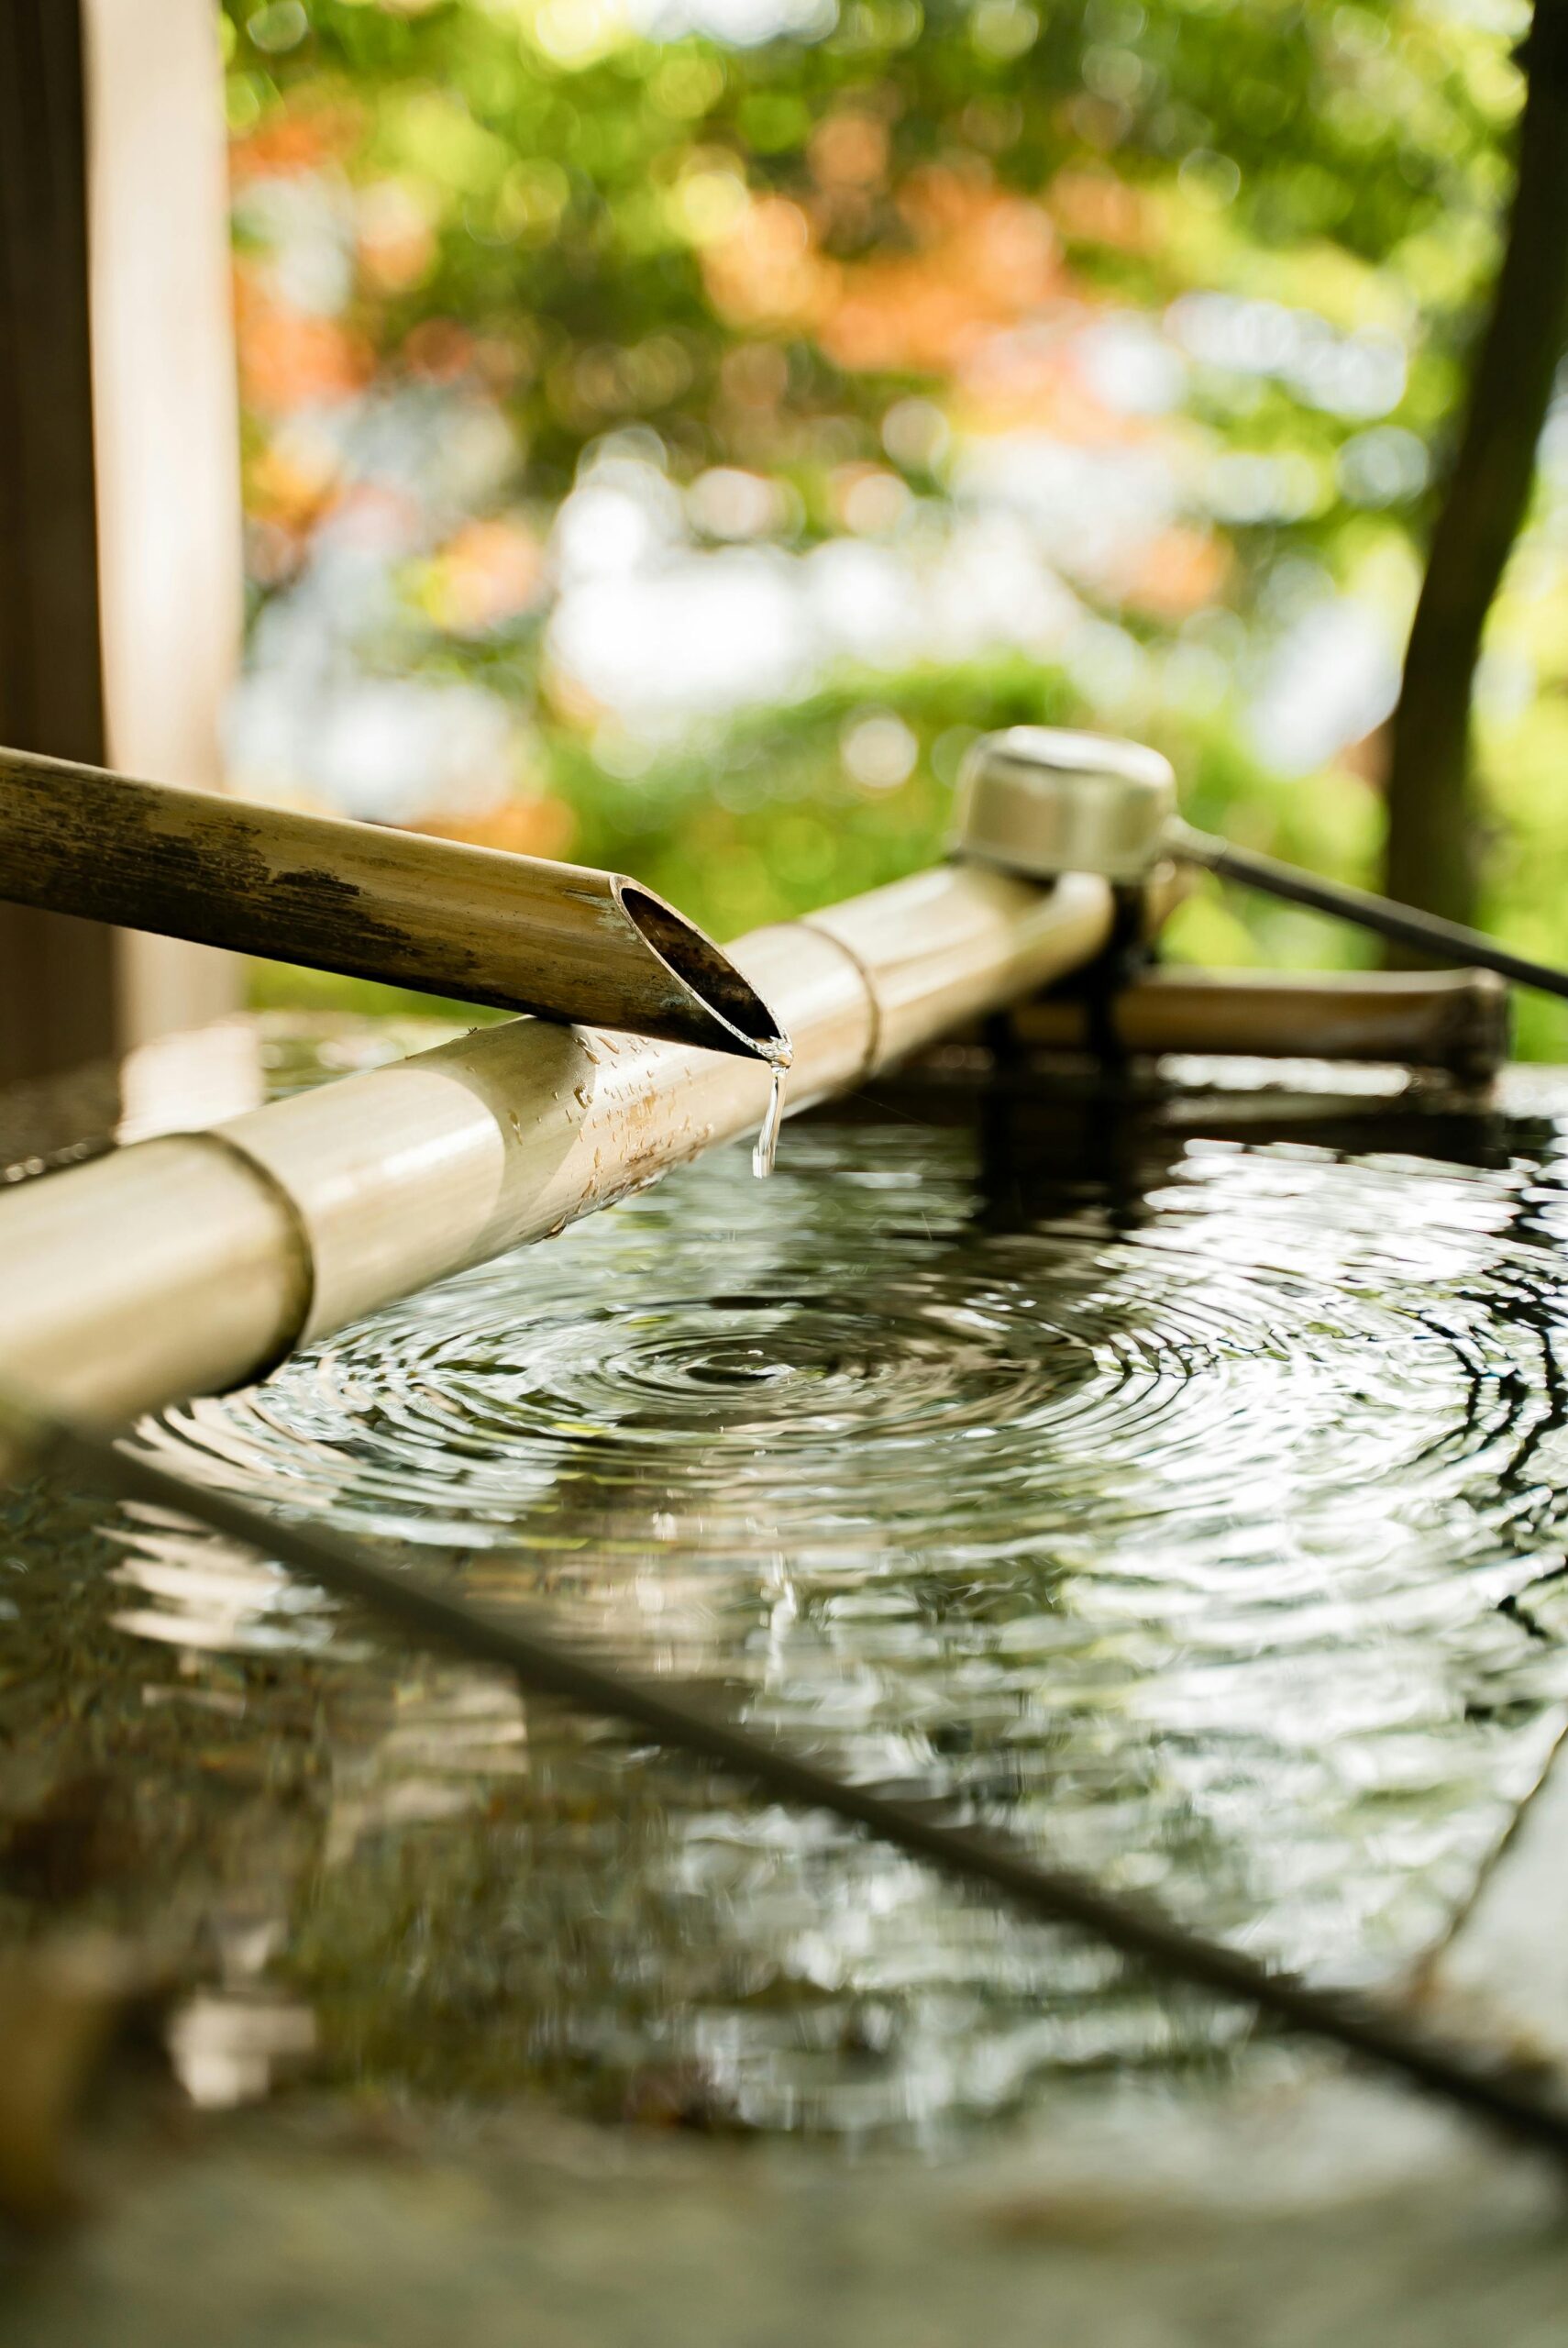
(1348, 155)
(789, 259)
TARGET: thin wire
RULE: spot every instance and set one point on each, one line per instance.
(544, 1665)
(1428, 933)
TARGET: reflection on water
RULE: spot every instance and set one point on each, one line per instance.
(1199, 1516)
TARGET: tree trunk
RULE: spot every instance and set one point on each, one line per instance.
(1431, 856)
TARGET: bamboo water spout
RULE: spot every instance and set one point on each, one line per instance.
(198, 1261)
(514, 932)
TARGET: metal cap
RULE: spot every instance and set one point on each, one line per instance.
(1040, 801)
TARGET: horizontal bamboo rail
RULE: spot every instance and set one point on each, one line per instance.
(196, 1261)
(1456, 1020)
(514, 932)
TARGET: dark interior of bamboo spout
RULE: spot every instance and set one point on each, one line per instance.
(709, 974)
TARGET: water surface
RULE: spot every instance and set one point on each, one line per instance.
(1190, 1503)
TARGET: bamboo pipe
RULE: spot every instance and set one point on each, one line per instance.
(196, 1261)
(1456, 1020)
(514, 932)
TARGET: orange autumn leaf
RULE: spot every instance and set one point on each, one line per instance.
(984, 259)
(1180, 570)
(1094, 207)
(288, 359)
(301, 141)
(521, 826)
(766, 271)
(488, 573)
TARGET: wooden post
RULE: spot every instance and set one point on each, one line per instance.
(167, 440)
(57, 975)
(120, 577)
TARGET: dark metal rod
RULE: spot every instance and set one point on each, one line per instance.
(1426, 933)
(546, 1667)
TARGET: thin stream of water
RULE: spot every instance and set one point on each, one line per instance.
(765, 1150)
(1193, 1505)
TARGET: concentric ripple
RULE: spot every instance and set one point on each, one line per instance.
(847, 1358)
(1208, 1529)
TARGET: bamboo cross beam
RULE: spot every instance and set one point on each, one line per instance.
(514, 932)
(1456, 1020)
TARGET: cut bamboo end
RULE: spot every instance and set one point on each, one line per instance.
(1455, 1019)
(515, 933)
(728, 1001)
(137, 1279)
